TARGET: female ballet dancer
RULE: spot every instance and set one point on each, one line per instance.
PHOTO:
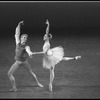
(52, 56)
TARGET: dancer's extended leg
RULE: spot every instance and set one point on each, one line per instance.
(28, 67)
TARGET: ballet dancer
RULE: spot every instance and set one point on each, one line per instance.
(21, 57)
(52, 56)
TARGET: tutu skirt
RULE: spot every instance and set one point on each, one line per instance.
(53, 57)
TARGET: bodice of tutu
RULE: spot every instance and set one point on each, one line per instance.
(46, 47)
(52, 56)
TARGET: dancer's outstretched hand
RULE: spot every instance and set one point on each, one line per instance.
(31, 55)
(34, 53)
(77, 57)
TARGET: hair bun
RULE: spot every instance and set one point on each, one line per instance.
(50, 36)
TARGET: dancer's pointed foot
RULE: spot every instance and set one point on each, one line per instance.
(13, 90)
(77, 57)
(40, 85)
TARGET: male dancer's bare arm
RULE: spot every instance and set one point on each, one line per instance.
(17, 32)
(28, 50)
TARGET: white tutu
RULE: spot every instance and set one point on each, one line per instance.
(53, 57)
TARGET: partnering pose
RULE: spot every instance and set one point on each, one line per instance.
(22, 52)
(52, 56)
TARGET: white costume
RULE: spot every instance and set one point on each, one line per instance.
(52, 56)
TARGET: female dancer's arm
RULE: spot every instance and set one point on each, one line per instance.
(71, 58)
(47, 29)
(39, 52)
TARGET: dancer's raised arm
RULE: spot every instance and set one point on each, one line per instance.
(17, 32)
(48, 25)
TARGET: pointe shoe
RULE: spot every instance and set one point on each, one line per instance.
(50, 87)
(13, 90)
(77, 57)
(40, 85)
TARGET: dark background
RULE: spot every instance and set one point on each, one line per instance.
(66, 18)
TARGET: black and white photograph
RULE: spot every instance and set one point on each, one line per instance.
(50, 49)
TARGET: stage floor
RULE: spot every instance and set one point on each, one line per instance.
(73, 79)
